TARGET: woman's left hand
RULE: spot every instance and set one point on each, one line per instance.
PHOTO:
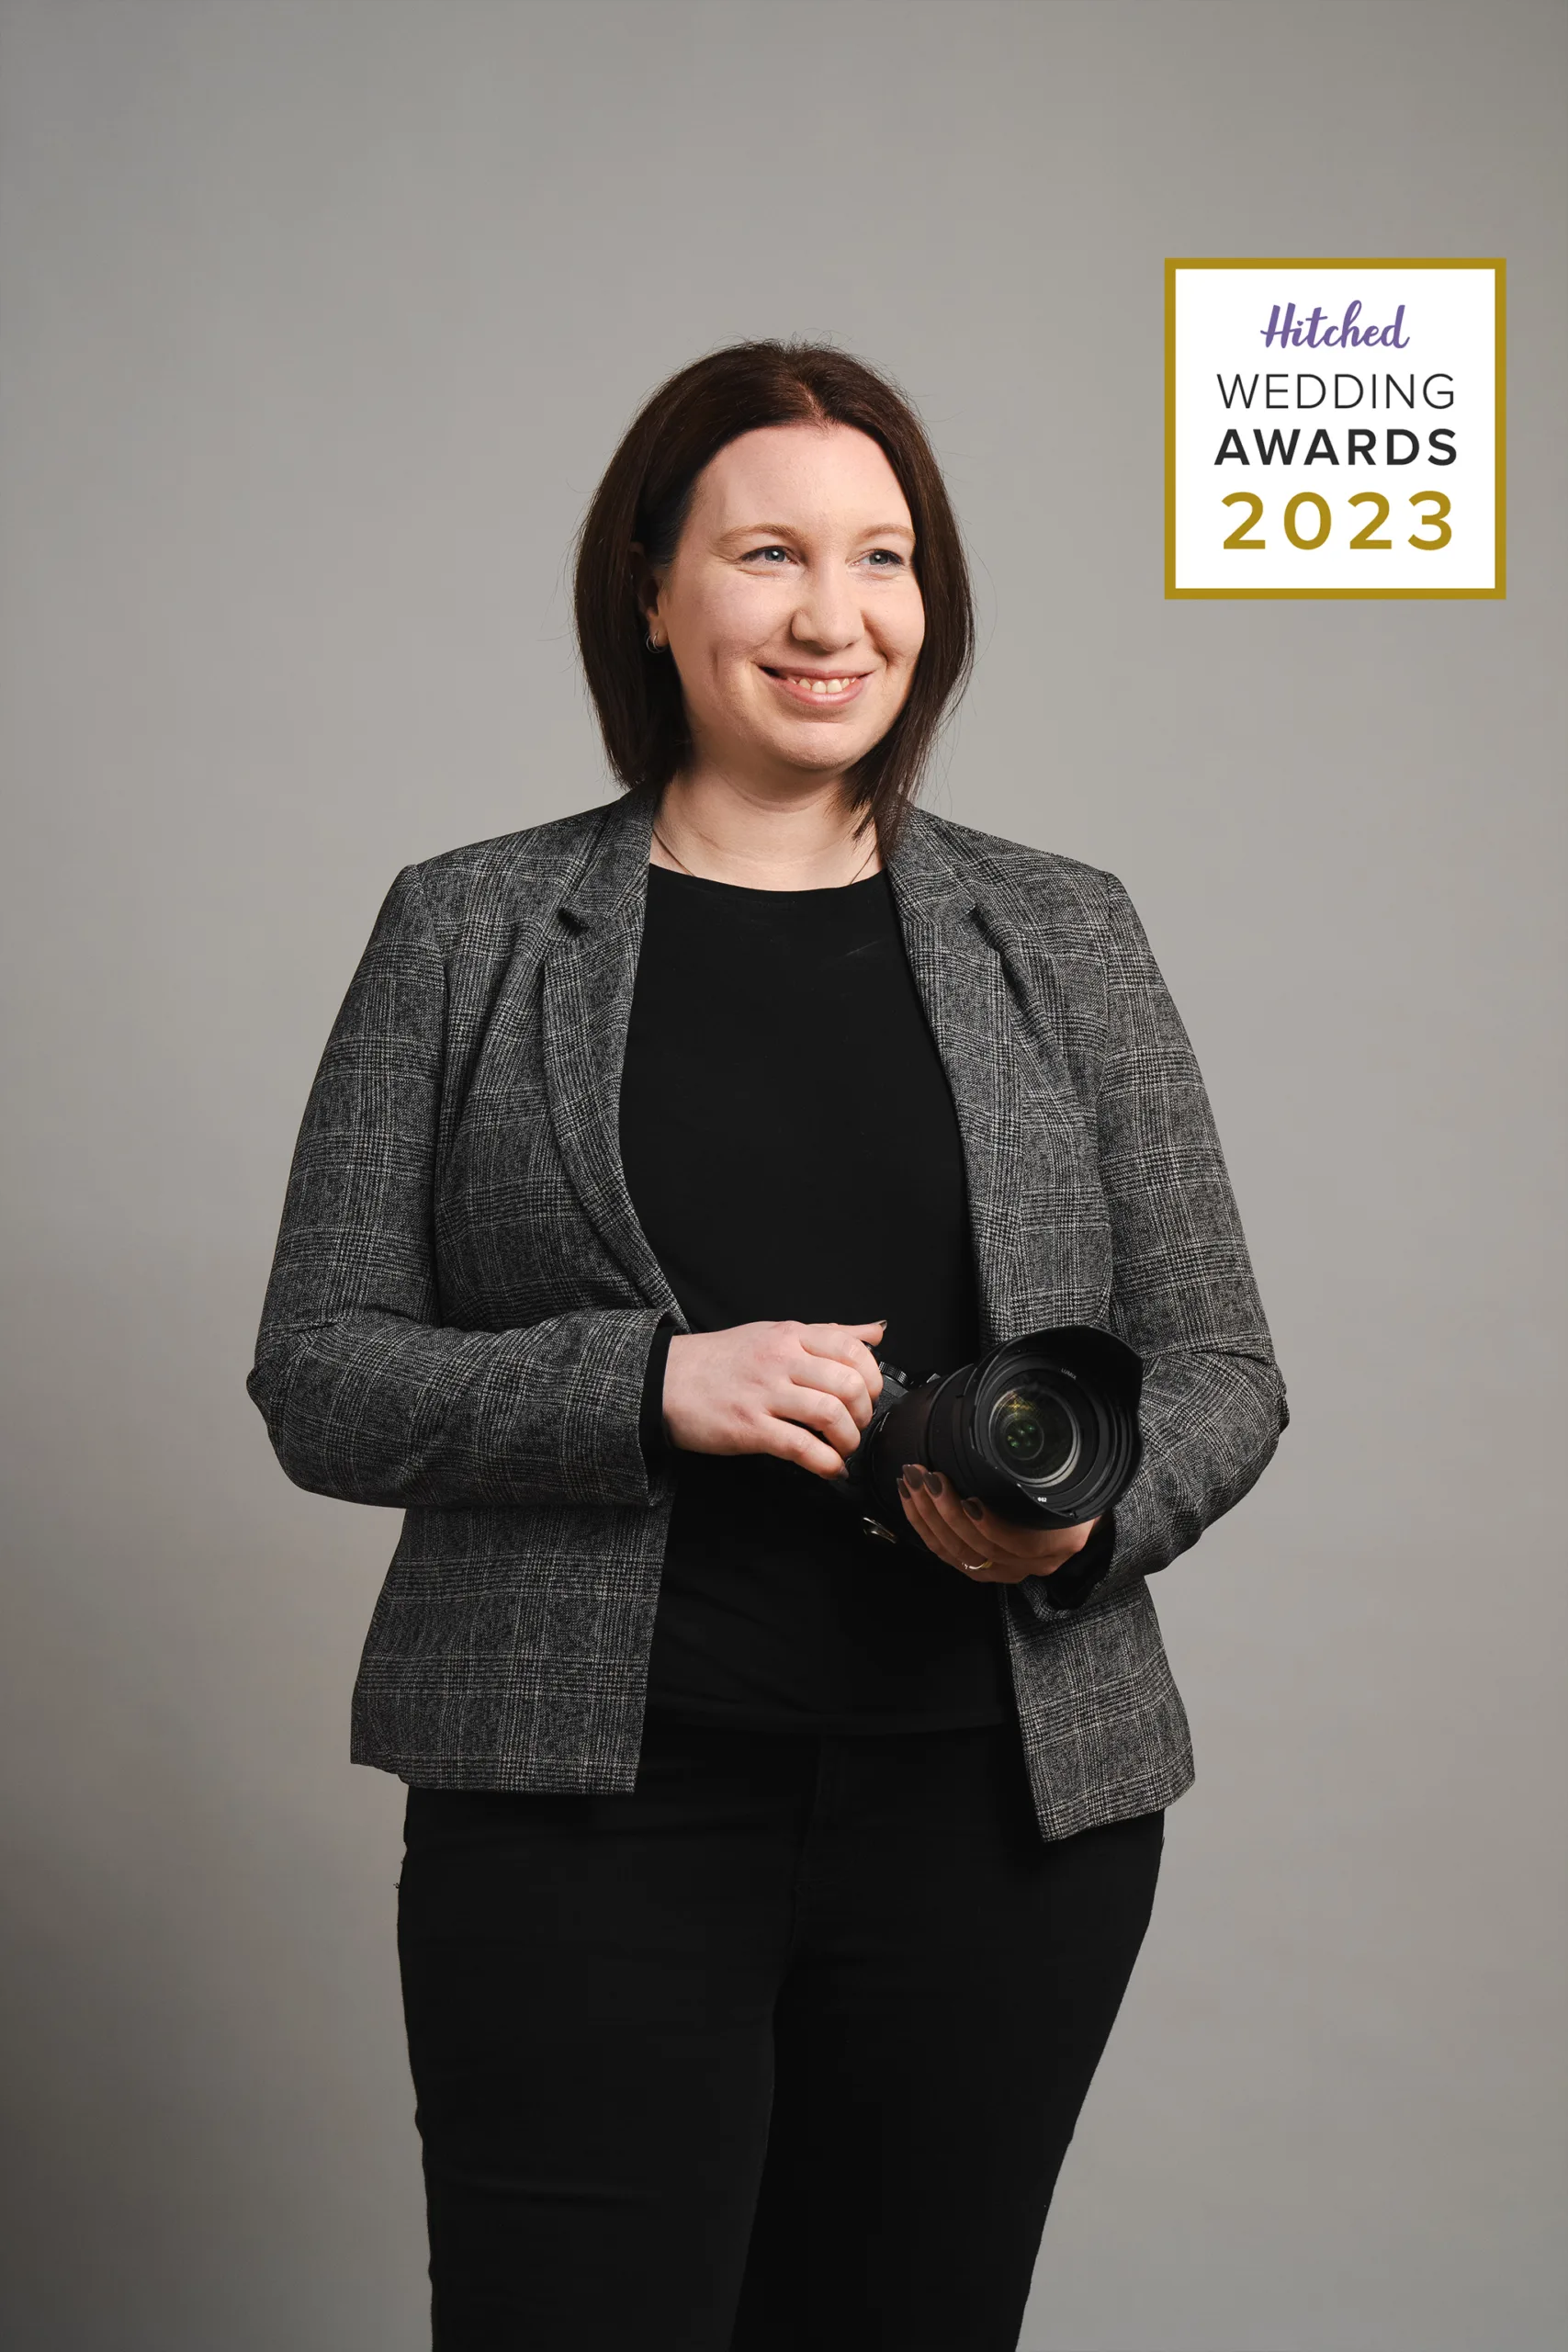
(962, 1530)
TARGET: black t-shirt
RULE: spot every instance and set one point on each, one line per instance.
(791, 1149)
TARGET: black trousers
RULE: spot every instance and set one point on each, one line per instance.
(783, 2050)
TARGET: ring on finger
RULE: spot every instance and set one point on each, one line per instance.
(973, 1568)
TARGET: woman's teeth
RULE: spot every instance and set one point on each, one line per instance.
(825, 686)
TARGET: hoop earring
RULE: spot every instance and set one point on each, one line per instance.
(654, 642)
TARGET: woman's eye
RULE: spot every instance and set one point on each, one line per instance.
(773, 555)
(885, 558)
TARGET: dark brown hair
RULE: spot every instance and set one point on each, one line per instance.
(645, 497)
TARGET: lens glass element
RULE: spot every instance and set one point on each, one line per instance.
(1034, 1432)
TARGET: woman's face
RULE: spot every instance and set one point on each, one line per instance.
(791, 605)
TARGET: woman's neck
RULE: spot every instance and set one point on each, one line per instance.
(708, 826)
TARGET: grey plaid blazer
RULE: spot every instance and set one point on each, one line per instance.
(462, 1301)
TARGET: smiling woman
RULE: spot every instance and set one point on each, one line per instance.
(774, 538)
(770, 1889)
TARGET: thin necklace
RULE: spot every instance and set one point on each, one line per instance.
(664, 845)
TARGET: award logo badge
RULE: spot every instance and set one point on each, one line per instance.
(1333, 428)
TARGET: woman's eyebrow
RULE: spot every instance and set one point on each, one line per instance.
(792, 531)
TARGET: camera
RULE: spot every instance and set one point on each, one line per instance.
(1043, 1431)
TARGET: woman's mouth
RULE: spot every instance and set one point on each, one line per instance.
(817, 690)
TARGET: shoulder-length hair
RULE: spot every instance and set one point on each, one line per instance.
(644, 500)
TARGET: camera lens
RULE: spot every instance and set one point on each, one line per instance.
(1035, 1433)
(1041, 1428)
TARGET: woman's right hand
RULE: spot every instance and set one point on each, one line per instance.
(766, 1387)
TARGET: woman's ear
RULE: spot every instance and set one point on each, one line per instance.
(644, 587)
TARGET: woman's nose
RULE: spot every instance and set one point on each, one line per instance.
(829, 612)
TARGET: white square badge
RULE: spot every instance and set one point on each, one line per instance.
(1333, 428)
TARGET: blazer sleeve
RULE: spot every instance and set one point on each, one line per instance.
(1183, 1293)
(368, 1396)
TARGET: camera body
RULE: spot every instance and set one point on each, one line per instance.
(1043, 1431)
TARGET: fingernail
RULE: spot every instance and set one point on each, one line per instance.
(903, 1487)
(974, 1509)
(936, 1482)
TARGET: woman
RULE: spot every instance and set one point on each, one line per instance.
(769, 1891)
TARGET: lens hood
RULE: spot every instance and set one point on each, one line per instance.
(1043, 1431)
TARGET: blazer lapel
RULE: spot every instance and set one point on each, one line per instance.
(1036, 1213)
(589, 976)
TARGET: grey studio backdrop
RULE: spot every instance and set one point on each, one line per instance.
(316, 325)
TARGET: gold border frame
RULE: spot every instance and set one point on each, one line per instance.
(1499, 519)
